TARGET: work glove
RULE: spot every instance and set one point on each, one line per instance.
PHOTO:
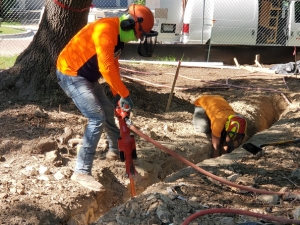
(115, 100)
(126, 104)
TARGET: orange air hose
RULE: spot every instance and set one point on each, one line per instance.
(180, 158)
(220, 179)
(240, 212)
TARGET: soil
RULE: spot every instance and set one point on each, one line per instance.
(37, 160)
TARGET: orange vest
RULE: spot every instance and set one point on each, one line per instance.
(94, 52)
(217, 110)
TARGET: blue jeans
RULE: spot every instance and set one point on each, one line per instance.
(92, 102)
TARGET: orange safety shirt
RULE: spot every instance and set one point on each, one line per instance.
(217, 110)
(93, 53)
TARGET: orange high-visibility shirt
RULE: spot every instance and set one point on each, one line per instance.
(217, 110)
(94, 52)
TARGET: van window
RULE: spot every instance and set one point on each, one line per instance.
(297, 12)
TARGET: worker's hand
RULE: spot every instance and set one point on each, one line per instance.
(216, 145)
(126, 104)
(115, 100)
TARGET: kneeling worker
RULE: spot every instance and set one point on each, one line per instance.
(214, 116)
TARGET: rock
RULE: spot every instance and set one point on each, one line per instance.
(21, 191)
(59, 176)
(29, 171)
(3, 195)
(151, 197)
(45, 145)
(284, 189)
(193, 204)
(245, 181)
(67, 172)
(54, 157)
(226, 221)
(168, 128)
(153, 135)
(124, 220)
(152, 207)
(268, 199)
(44, 170)
(40, 114)
(166, 200)
(43, 177)
(164, 214)
(153, 220)
(296, 213)
(232, 177)
(13, 190)
(6, 165)
(66, 136)
(51, 156)
(296, 173)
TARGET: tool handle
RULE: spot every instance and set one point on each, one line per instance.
(281, 142)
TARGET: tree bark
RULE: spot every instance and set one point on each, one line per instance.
(33, 75)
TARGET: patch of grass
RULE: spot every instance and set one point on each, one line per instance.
(172, 58)
(11, 30)
(7, 62)
(11, 24)
(166, 58)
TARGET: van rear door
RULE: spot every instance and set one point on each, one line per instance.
(197, 21)
(167, 19)
(235, 22)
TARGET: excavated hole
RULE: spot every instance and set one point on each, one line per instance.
(260, 113)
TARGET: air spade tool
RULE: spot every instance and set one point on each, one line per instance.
(126, 144)
(255, 149)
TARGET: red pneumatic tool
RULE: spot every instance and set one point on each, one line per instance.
(126, 144)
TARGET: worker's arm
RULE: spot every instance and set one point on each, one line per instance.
(105, 41)
(216, 145)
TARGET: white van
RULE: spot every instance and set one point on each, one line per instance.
(197, 21)
(242, 22)
(168, 16)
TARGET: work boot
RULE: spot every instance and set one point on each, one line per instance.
(87, 181)
(111, 156)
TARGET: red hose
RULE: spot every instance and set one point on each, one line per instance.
(240, 212)
(222, 180)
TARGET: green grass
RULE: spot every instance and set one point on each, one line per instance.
(171, 58)
(11, 24)
(7, 62)
(10, 30)
(166, 58)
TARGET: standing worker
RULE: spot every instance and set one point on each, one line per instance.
(93, 53)
(214, 116)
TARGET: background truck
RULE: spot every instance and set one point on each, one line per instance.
(242, 22)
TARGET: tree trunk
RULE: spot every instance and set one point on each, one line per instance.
(33, 75)
(1, 10)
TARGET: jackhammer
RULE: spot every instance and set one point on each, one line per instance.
(126, 144)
